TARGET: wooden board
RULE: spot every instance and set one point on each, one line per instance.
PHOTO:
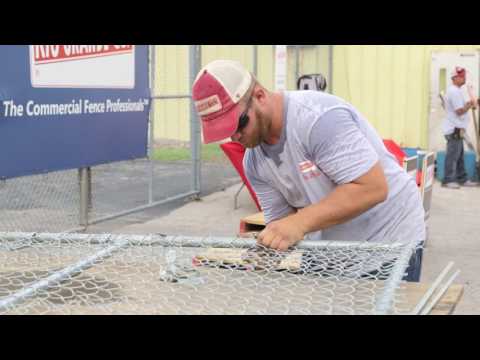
(241, 257)
(252, 223)
(255, 219)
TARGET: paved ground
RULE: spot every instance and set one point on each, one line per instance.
(454, 235)
(211, 215)
(454, 230)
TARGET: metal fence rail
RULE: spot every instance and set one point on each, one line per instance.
(44, 273)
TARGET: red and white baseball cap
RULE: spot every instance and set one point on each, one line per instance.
(458, 71)
(217, 89)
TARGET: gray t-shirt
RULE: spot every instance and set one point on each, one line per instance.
(454, 101)
(326, 142)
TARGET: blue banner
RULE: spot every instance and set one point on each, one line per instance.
(71, 106)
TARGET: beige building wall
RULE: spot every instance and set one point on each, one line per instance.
(389, 84)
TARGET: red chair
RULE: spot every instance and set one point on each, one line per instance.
(401, 156)
(235, 152)
(395, 150)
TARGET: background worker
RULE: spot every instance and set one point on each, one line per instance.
(454, 127)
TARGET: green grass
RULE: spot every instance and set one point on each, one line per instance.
(210, 153)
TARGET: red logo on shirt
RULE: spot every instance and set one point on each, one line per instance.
(309, 170)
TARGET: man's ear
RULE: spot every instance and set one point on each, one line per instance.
(260, 94)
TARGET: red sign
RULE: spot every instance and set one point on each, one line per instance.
(55, 53)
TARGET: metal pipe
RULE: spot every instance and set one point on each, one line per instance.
(364, 245)
(235, 198)
(171, 97)
(195, 135)
(384, 302)
(83, 212)
(143, 207)
(89, 190)
(432, 289)
(255, 60)
(192, 241)
(151, 122)
(60, 275)
(330, 69)
(442, 291)
(297, 63)
(32, 237)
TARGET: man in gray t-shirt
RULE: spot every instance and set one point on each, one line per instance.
(319, 169)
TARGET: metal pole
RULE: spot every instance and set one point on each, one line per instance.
(330, 69)
(83, 180)
(139, 208)
(297, 63)
(89, 190)
(194, 241)
(163, 97)
(384, 301)
(440, 293)
(151, 121)
(255, 60)
(423, 301)
(195, 136)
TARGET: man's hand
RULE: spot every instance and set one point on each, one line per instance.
(283, 233)
(468, 105)
(471, 104)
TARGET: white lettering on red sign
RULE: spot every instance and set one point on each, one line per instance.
(82, 66)
(55, 53)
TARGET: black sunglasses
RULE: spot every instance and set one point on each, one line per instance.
(244, 118)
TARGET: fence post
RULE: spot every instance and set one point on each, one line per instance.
(255, 60)
(330, 69)
(89, 191)
(297, 63)
(151, 120)
(84, 195)
(195, 135)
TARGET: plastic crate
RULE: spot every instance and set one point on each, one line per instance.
(470, 161)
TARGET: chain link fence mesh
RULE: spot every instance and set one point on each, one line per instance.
(153, 274)
(46, 202)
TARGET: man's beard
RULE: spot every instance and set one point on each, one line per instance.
(262, 128)
(254, 142)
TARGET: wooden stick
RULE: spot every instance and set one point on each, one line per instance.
(473, 98)
(215, 256)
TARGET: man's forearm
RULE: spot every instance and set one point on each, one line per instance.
(463, 110)
(343, 204)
